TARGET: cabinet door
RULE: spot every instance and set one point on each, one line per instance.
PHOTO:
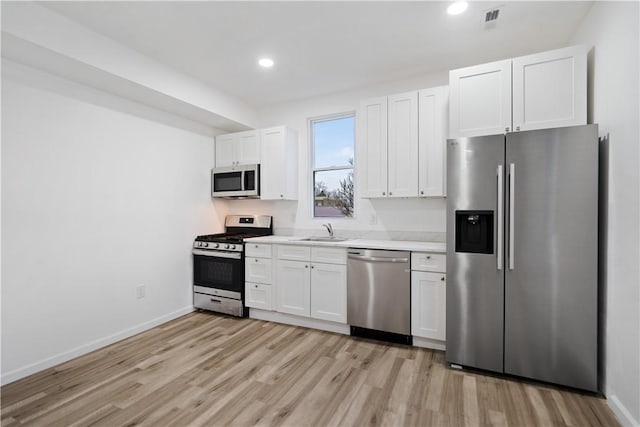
(272, 168)
(372, 147)
(428, 305)
(432, 138)
(248, 147)
(550, 89)
(225, 150)
(258, 270)
(293, 287)
(402, 145)
(329, 292)
(480, 100)
(258, 295)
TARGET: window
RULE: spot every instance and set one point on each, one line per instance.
(332, 143)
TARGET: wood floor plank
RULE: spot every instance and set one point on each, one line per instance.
(207, 369)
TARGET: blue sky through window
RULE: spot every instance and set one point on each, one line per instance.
(333, 141)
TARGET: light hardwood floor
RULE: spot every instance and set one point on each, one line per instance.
(206, 369)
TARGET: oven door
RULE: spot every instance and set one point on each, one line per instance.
(223, 271)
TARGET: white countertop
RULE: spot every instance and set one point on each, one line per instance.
(399, 245)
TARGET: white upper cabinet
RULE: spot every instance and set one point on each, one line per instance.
(402, 147)
(279, 165)
(372, 147)
(248, 148)
(241, 148)
(539, 91)
(401, 144)
(432, 135)
(480, 100)
(225, 150)
(550, 89)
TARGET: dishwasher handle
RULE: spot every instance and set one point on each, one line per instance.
(378, 259)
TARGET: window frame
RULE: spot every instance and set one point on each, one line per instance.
(312, 160)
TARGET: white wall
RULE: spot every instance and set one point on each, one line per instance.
(417, 218)
(612, 28)
(99, 194)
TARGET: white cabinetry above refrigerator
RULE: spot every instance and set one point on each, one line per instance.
(543, 90)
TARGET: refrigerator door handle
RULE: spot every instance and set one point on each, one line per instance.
(500, 218)
(512, 180)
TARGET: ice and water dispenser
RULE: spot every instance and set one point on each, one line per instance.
(474, 232)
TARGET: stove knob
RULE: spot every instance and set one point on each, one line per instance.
(217, 245)
(206, 245)
(233, 246)
(199, 244)
(226, 246)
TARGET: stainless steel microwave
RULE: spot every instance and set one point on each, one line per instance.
(236, 182)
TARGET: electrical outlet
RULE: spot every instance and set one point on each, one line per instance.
(141, 291)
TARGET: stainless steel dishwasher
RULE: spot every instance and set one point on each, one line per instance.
(379, 294)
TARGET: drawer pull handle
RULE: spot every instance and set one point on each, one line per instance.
(256, 246)
(256, 259)
(306, 266)
(442, 279)
(256, 286)
(428, 256)
(216, 301)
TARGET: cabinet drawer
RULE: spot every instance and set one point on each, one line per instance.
(329, 255)
(258, 250)
(258, 270)
(294, 253)
(421, 261)
(258, 295)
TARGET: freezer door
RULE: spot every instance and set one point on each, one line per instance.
(552, 256)
(475, 292)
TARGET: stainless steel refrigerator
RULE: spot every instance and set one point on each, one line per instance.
(522, 254)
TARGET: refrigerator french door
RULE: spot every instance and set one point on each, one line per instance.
(522, 254)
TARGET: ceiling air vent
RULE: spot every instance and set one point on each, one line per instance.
(490, 18)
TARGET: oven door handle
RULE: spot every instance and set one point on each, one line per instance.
(217, 254)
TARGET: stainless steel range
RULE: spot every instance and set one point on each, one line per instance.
(218, 264)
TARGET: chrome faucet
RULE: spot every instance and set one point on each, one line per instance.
(329, 228)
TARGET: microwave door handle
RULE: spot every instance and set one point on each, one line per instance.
(243, 180)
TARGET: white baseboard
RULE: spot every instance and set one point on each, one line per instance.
(428, 343)
(621, 412)
(289, 319)
(25, 371)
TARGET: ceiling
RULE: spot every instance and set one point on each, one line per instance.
(322, 47)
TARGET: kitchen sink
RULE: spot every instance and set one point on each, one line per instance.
(323, 239)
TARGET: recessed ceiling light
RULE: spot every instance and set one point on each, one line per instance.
(266, 62)
(457, 7)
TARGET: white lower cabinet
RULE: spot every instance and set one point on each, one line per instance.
(258, 273)
(329, 292)
(258, 270)
(312, 282)
(294, 283)
(428, 305)
(258, 295)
